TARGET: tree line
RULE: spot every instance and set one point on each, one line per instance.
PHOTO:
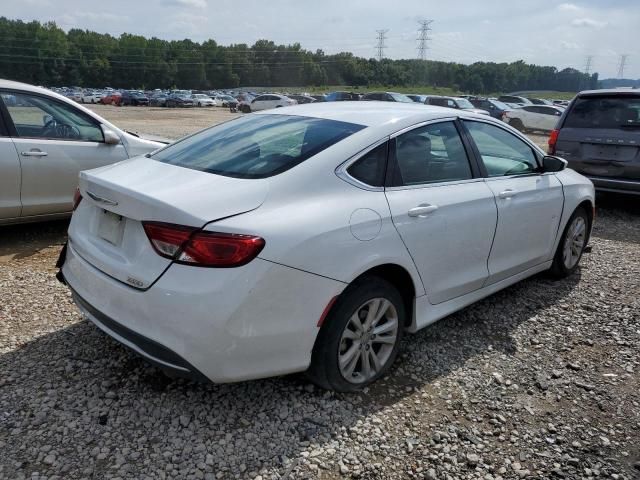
(44, 54)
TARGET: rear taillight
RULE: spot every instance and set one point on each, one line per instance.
(191, 246)
(77, 198)
(553, 139)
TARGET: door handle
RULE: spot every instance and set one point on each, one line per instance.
(422, 210)
(34, 153)
(508, 193)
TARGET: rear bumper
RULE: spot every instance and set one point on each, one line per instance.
(605, 184)
(226, 325)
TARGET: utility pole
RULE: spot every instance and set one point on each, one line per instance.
(623, 63)
(382, 36)
(587, 66)
(423, 38)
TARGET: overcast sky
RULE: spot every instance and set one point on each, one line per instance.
(545, 32)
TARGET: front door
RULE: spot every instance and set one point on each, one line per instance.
(529, 202)
(444, 213)
(54, 141)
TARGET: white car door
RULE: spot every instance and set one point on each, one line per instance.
(10, 177)
(54, 141)
(529, 202)
(442, 209)
(549, 117)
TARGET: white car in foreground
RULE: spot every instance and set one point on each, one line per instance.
(265, 102)
(312, 238)
(533, 117)
(45, 140)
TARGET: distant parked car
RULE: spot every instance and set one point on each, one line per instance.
(50, 139)
(539, 101)
(226, 101)
(91, 96)
(561, 103)
(387, 97)
(319, 98)
(514, 100)
(458, 103)
(131, 97)
(417, 98)
(533, 117)
(271, 100)
(202, 100)
(301, 99)
(599, 135)
(341, 97)
(179, 100)
(158, 100)
(75, 95)
(113, 98)
(495, 108)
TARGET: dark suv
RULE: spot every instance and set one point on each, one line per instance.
(599, 135)
(134, 98)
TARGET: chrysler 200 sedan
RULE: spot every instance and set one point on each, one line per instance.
(311, 238)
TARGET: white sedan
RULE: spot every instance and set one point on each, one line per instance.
(533, 117)
(265, 102)
(312, 238)
(45, 140)
(202, 100)
(92, 97)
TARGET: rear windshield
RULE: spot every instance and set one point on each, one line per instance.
(612, 111)
(256, 146)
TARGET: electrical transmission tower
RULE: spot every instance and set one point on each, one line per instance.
(382, 36)
(587, 66)
(423, 38)
(623, 63)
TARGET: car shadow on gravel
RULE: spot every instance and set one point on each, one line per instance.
(24, 240)
(79, 381)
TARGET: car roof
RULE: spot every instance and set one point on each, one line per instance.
(372, 113)
(609, 91)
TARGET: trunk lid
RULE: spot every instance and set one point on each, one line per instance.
(107, 231)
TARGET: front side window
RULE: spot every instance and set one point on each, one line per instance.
(430, 154)
(256, 146)
(502, 153)
(36, 116)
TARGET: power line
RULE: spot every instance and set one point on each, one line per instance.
(587, 66)
(423, 38)
(623, 63)
(380, 46)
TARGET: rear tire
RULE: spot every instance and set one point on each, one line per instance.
(360, 338)
(572, 244)
(517, 124)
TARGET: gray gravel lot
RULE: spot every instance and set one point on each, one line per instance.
(538, 381)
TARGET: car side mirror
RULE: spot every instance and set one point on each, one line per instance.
(46, 119)
(551, 163)
(110, 137)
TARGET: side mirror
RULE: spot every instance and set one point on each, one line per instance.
(46, 119)
(110, 137)
(553, 164)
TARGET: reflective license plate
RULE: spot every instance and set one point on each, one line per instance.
(111, 227)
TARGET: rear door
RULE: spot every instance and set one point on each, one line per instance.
(442, 209)
(54, 141)
(529, 202)
(10, 175)
(600, 136)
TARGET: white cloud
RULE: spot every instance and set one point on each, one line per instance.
(568, 7)
(187, 3)
(588, 23)
(569, 45)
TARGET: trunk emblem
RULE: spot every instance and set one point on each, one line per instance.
(99, 199)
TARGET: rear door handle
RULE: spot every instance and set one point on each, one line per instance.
(422, 210)
(508, 193)
(34, 153)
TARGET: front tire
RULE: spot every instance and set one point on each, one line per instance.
(572, 245)
(360, 338)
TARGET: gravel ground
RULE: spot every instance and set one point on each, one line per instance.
(538, 381)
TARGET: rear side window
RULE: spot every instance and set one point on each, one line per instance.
(606, 111)
(370, 169)
(256, 146)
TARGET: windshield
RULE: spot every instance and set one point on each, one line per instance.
(398, 97)
(607, 111)
(464, 103)
(256, 146)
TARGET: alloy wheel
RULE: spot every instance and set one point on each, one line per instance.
(574, 242)
(368, 340)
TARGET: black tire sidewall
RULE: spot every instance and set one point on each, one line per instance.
(324, 365)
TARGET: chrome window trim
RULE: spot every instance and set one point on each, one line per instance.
(436, 184)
